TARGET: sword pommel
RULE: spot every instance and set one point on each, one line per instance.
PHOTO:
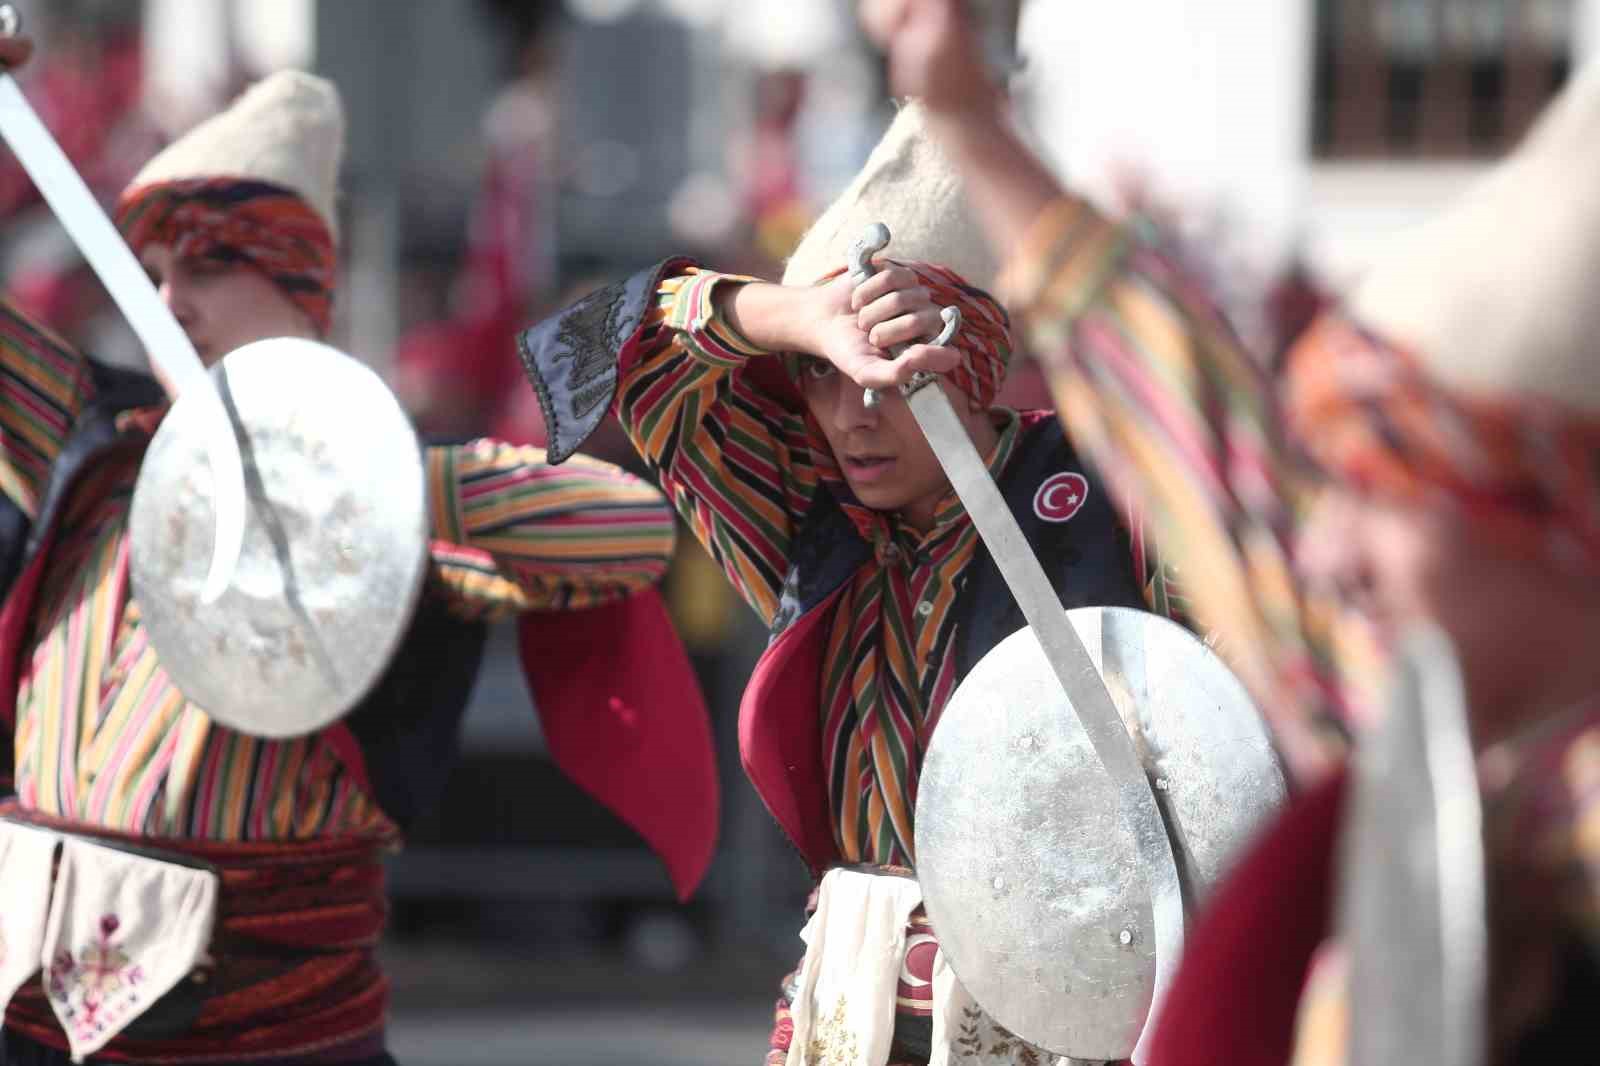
(873, 240)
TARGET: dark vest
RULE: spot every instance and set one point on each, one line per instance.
(1087, 558)
(1089, 562)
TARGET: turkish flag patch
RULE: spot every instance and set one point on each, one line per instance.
(1061, 496)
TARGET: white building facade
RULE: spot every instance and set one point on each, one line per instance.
(1214, 103)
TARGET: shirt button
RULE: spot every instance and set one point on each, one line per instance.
(925, 608)
(891, 554)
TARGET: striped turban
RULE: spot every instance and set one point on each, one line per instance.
(251, 223)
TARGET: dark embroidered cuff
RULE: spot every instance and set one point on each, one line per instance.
(574, 358)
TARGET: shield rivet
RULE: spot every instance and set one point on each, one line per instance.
(1125, 937)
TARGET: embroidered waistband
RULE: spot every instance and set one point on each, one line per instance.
(187, 951)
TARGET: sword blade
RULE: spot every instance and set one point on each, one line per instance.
(1069, 660)
(125, 280)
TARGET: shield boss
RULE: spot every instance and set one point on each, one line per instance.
(335, 545)
(1031, 876)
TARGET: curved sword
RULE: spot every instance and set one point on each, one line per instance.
(168, 346)
(1069, 660)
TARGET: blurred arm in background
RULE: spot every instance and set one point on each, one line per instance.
(1151, 380)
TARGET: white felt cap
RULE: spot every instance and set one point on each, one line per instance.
(910, 185)
(286, 129)
(1497, 295)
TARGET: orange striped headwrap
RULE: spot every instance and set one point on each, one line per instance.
(985, 336)
(236, 220)
(1524, 469)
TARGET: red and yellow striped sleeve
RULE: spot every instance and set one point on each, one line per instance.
(1157, 389)
(43, 386)
(734, 461)
(514, 533)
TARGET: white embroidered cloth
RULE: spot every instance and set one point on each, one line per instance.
(123, 930)
(965, 1035)
(844, 1004)
(27, 860)
(843, 1010)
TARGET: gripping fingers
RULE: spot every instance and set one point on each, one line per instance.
(898, 369)
(881, 374)
(889, 279)
(927, 358)
(912, 328)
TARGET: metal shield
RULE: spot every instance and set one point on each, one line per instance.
(1031, 875)
(1411, 909)
(335, 543)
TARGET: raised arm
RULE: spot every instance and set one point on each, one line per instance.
(44, 384)
(1152, 382)
(934, 54)
(514, 533)
(686, 360)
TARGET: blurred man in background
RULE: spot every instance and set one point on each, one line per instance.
(1454, 403)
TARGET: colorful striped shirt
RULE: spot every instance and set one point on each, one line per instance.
(740, 467)
(1162, 397)
(1180, 417)
(103, 735)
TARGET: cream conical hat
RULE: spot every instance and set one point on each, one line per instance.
(909, 185)
(287, 129)
(1498, 294)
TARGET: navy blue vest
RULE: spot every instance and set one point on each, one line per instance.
(1088, 558)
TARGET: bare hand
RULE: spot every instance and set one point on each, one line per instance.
(858, 325)
(14, 51)
(935, 53)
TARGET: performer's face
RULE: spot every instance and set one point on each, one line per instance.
(1403, 563)
(1383, 559)
(881, 450)
(222, 306)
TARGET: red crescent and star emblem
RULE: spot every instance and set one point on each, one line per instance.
(1061, 496)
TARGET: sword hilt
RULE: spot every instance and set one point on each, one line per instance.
(874, 239)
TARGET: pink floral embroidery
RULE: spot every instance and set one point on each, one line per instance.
(82, 988)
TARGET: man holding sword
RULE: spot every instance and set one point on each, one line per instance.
(832, 516)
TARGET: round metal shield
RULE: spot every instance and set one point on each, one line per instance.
(335, 540)
(1030, 873)
(1412, 894)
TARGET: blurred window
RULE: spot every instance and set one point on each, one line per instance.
(1435, 78)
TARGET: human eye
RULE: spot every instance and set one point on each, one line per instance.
(817, 369)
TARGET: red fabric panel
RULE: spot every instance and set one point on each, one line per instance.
(13, 621)
(348, 749)
(780, 736)
(624, 719)
(1238, 987)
